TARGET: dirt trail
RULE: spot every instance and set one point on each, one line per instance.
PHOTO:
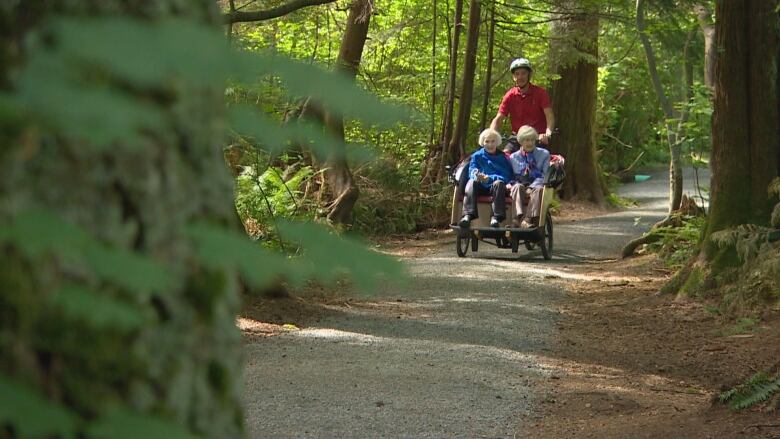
(501, 345)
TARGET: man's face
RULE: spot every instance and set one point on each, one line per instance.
(491, 144)
(521, 77)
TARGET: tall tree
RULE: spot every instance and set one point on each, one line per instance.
(745, 129)
(120, 320)
(489, 66)
(339, 177)
(574, 98)
(704, 16)
(449, 107)
(675, 163)
(746, 113)
(456, 149)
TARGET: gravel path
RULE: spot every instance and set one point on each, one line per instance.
(455, 353)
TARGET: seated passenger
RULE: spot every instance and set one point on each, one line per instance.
(489, 172)
(530, 164)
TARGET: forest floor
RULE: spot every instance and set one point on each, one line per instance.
(502, 345)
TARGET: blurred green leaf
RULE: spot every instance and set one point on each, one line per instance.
(124, 424)
(37, 232)
(335, 91)
(132, 271)
(276, 137)
(32, 415)
(140, 52)
(330, 256)
(219, 248)
(97, 309)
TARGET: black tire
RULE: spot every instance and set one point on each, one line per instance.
(462, 245)
(546, 244)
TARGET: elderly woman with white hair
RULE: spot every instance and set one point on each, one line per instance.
(530, 164)
(489, 173)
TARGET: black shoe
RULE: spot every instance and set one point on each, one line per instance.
(494, 222)
(465, 221)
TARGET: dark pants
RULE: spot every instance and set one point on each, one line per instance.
(497, 190)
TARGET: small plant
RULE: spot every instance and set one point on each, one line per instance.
(617, 201)
(678, 244)
(743, 325)
(760, 387)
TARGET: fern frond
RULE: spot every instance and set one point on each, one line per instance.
(760, 387)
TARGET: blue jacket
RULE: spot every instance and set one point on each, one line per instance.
(531, 168)
(495, 166)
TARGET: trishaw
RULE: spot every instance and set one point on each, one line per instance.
(504, 236)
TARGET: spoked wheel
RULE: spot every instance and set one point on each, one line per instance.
(462, 244)
(546, 244)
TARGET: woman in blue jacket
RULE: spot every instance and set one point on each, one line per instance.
(489, 172)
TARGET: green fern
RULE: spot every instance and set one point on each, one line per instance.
(760, 387)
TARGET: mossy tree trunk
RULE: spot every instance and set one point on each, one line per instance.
(574, 100)
(745, 133)
(184, 364)
(745, 136)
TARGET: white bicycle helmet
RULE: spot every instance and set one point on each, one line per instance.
(520, 63)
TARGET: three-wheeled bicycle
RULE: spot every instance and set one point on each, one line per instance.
(505, 235)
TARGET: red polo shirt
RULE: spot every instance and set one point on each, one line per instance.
(526, 108)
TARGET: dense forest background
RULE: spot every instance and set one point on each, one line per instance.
(415, 54)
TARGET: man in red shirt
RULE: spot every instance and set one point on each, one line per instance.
(526, 104)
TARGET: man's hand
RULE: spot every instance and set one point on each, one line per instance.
(544, 138)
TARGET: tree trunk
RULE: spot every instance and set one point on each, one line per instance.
(432, 135)
(745, 132)
(489, 62)
(183, 364)
(745, 152)
(704, 16)
(453, 76)
(574, 102)
(338, 174)
(456, 149)
(675, 165)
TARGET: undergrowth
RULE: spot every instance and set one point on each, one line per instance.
(758, 388)
(678, 244)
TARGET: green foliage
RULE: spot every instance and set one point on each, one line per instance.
(747, 240)
(263, 199)
(758, 388)
(678, 244)
(123, 424)
(31, 414)
(118, 250)
(618, 201)
(743, 325)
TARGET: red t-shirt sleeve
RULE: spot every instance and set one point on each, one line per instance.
(504, 107)
(544, 99)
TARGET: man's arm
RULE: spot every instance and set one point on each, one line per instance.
(550, 116)
(497, 121)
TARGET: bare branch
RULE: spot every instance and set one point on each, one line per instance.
(243, 17)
